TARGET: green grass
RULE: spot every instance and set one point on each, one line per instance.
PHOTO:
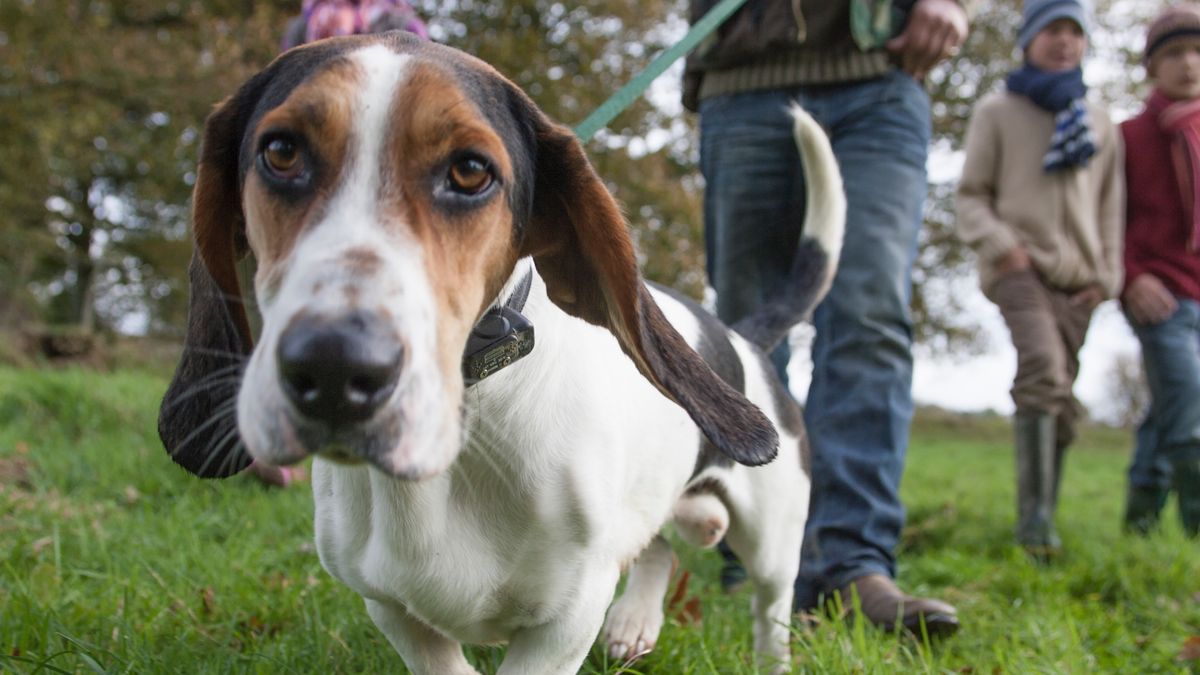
(114, 560)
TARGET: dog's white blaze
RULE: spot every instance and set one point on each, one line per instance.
(353, 220)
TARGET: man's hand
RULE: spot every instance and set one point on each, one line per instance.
(1015, 260)
(1089, 297)
(1148, 300)
(935, 30)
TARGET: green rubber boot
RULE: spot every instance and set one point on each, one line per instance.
(1038, 461)
(1185, 479)
(1143, 506)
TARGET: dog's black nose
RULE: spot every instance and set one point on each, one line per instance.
(339, 371)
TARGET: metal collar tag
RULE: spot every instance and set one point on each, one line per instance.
(502, 336)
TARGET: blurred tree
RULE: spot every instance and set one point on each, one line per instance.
(102, 102)
(570, 57)
(943, 264)
(1129, 395)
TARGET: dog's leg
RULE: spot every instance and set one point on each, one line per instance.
(772, 609)
(770, 550)
(424, 650)
(635, 619)
(560, 646)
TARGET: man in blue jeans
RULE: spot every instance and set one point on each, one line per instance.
(857, 67)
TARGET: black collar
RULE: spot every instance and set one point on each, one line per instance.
(520, 294)
(500, 337)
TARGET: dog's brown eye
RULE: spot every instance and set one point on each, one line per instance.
(470, 176)
(282, 157)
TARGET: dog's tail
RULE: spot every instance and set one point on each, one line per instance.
(820, 244)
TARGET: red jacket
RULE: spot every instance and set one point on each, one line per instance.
(1156, 227)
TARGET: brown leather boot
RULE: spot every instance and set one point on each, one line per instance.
(886, 606)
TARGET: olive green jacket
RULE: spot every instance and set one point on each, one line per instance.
(770, 44)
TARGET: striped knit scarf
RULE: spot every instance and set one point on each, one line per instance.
(1181, 121)
(1062, 94)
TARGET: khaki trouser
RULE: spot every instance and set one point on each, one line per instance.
(1048, 332)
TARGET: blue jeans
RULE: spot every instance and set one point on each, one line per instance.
(860, 402)
(1171, 430)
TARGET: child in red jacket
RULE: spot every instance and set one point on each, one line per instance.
(1161, 298)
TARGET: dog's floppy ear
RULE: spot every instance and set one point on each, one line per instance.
(580, 244)
(198, 421)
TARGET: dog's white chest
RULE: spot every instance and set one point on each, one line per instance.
(476, 573)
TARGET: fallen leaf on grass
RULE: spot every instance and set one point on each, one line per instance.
(680, 590)
(1191, 649)
(276, 581)
(685, 610)
(208, 597)
(130, 496)
(252, 629)
(691, 613)
(15, 472)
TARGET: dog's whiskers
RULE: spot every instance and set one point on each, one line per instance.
(458, 472)
(236, 449)
(226, 354)
(478, 444)
(226, 377)
(224, 413)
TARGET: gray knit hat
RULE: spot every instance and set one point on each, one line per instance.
(1174, 22)
(1037, 14)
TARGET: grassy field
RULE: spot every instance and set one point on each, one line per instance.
(112, 560)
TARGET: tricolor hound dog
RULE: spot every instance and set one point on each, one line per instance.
(394, 193)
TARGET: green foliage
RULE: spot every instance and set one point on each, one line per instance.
(100, 106)
(570, 58)
(114, 560)
(102, 102)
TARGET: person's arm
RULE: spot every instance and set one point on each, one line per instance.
(935, 30)
(1112, 216)
(1148, 300)
(1145, 296)
(1110, 221)
(976, 219)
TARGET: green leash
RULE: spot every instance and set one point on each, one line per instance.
(626, 95)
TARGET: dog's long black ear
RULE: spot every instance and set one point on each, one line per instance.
(582, 248)
(198, 420)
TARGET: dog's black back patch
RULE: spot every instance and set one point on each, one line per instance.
(717, 350)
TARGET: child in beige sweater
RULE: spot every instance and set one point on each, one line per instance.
(1041, 203)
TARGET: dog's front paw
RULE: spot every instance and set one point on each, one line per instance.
(632, 627)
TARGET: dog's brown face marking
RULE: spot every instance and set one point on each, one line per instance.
(362, 261)
(453, 170)
(316, 121)
(402, 209)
